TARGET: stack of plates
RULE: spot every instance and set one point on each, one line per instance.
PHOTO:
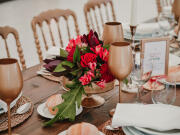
(138, 37)
(147, 131)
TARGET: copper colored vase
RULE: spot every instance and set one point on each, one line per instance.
(113, 32)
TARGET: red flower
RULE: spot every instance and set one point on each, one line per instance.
(92, 66)
(90, 73)
(87, 58)
(70, 55)
(105, 74)
(104, 55)
(101, 84)
(70, 45)
(86, 79)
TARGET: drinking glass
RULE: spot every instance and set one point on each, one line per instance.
(11, 83)
(164, 93)
(120, 61)
(140, 76)
(112, 32)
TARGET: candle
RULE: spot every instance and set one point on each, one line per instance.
(134, 8)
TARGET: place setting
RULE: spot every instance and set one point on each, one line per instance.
(13, 105)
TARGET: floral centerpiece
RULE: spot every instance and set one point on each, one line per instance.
(83, 61)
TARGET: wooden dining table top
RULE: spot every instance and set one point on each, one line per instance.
(38, 89)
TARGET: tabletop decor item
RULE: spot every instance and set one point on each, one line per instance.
(120, 62)
(133, 21)
(158, 50)
(84, 63)
(112, 32)
(11, 83)
(17, 119)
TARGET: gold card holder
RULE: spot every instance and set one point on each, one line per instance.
(158, 50)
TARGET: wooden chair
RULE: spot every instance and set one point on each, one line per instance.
(4, 32)
(95, 6)
(163, 3)
(47, 16)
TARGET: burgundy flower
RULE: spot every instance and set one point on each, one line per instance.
(87, 58)
(91, 39)
(105, 73)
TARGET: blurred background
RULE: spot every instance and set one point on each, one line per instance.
(19, 14)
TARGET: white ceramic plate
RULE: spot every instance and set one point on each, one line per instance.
(3, 105)
(44, 112)
(166, 82)
(64, 133)
(126, 131)
(138, 37)
(156, 132)
(135, 131)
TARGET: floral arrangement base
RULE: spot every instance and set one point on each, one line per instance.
(91, 101)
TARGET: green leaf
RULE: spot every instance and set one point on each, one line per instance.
(67, 63)
(106, 46)
(59, 68)
(75, 72)
(67, 110)
(76, 56)
(125, 81)
(63, 53)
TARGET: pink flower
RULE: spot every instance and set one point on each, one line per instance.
(90, 73)
(92, 65)
(78, 40)
(86, 79)
(98, 49)
(101, 83)
(104, 55)
(70, 45)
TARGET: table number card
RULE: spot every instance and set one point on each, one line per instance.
(156, 50)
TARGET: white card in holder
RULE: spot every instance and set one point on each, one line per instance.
(155, 51)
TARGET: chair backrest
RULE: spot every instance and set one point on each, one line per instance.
(93, 8)
(4, 32)
(47, 17)
(163, 3)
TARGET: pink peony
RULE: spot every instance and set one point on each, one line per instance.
(101, 83)
(92, 65)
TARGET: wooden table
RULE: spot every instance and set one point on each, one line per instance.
(38, 89)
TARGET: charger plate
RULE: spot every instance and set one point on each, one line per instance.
(17, 119)
(108, 132)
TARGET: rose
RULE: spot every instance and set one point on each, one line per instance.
(87, 58)
(105, 74)
(70, 55)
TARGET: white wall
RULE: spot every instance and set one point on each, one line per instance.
(19, 13)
